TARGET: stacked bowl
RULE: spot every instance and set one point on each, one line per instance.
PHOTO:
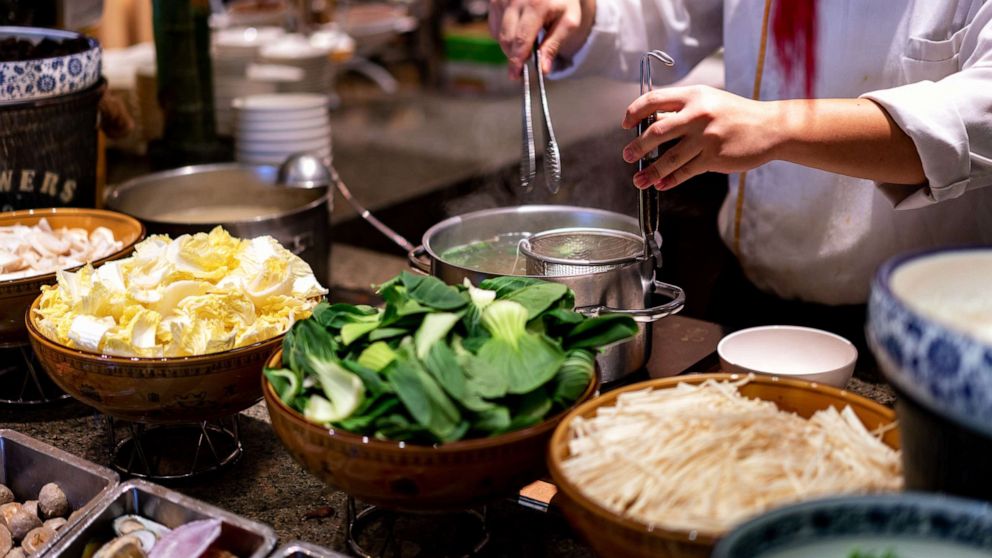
(313, 58)
(271, 127)
(930, 327)
(232, 51)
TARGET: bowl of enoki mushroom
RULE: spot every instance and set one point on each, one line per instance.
(664, 468)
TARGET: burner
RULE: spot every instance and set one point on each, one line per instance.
(22, 380)
(173, 452)
(376, 531)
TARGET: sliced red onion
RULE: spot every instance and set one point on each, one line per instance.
(188, 541)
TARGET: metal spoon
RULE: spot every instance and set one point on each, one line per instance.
(552, 156)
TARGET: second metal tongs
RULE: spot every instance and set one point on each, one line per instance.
(649, 200)
(552, 155)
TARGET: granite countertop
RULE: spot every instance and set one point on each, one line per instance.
(268, 486)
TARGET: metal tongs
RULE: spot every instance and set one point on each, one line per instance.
(649, 199)
(552, 156)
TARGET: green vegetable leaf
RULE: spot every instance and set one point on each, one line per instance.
(595, 333)
(335, 316)
(397, 427)
(434, 328)
(513, 356)
(432, 292)
(423, 397)
(443, 364)
(354, 331)
(387, 333)
(507, 284)
(538, 297)
(532, 409)
(286, 383)
(377, 356)
(369, 412)
(480, 297)
(573, 377)
(494, 420)
(321, 411)
(314, 350)
(373, 381)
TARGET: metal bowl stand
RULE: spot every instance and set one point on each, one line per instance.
(22, 381)
(173, 452)
(390, 545)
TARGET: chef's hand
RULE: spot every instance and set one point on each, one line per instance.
(716, 131)
(516, 24)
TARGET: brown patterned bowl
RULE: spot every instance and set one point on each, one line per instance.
(396, 475)
(612, 535)
(155, 390)
(16, 295)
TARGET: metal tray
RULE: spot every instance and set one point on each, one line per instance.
(27, 464)
(297, 549)
(240, 536)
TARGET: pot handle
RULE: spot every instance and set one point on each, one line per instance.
(418, 260)
(646, 315)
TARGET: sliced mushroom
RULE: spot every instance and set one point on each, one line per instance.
(36, 539)
(52, 501)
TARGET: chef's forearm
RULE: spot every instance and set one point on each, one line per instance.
(854, 137)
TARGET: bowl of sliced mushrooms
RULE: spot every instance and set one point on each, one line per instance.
(37, 243)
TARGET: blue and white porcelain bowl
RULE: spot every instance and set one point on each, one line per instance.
(28, 80)
(930, 328)
(907, 525)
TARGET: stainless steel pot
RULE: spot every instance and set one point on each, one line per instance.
(299, 217)
(629, 289)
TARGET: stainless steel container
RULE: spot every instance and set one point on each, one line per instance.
(297, 549)
(629, 289)
(28, 464)
(298, 217)
(243, 537)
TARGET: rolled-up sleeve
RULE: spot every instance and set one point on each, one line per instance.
(688, 30)
(949, 121)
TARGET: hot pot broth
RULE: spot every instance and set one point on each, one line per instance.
(499, 254)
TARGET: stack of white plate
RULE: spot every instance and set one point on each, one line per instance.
(271, 127)
(233, 50)
(298, 51)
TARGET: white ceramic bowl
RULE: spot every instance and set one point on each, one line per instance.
(284, 146)
(252, 135)
(790, 351)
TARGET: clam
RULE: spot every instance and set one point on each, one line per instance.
(6, 496)
(121, 547)
(127, 524)
(52, 501)
(37, 538)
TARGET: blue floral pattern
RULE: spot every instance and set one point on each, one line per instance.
(946, 370)
(37, 79)
(911, 515)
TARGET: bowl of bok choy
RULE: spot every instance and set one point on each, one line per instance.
(443, 399)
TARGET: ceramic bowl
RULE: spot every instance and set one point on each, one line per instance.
(28, 80)
(396, 475)
(796, 352)
(16, 295)
(611, 535)
(156, 390)
(925, 326)
(908, 524)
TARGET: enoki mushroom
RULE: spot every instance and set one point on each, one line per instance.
(704, 457)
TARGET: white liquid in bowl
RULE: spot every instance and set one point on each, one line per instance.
(954, 289)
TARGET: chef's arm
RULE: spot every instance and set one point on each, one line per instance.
(607, 37)
(853, 137)
(718, 131)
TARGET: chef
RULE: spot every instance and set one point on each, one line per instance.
(852, 130)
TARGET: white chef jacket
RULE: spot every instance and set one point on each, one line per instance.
(815, 235)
